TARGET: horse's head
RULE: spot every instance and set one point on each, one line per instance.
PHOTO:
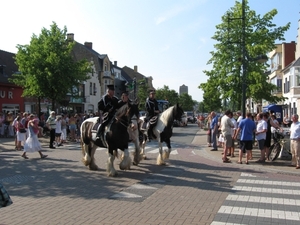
(134, 110)
(178, 112)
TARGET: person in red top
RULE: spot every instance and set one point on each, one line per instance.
(21, 132)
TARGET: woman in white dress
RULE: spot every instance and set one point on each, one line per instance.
(32, 143)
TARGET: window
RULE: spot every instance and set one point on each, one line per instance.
(95, 89)
(91, 88)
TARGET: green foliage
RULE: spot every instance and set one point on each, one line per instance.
(166, 94)
(225, 79)
(186, 102)
(142, 93)
(47, 67)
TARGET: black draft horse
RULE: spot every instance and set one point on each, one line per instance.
(163, 132)
(114, 137)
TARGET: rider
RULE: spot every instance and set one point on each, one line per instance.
(124, 99)
(108, 105)
(152, 111)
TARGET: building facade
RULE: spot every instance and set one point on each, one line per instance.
(183, 89)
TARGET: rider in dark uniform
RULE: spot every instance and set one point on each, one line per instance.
(108, 105)
(124, 99)
(152, 110)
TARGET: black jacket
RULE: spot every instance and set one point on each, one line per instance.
(151, 106)
(108, 104)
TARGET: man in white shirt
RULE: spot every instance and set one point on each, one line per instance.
(226, 126)
(261, 133)
(295, 141)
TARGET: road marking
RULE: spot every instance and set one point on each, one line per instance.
(260, 199)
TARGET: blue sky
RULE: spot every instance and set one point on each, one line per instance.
(169, 40)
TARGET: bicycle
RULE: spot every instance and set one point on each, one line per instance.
(279, 147)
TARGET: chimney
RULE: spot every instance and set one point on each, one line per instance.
(89, 44)
(70, 36)
(135, 69)
(116, 63)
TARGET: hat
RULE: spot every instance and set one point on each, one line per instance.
(125, 93)
(152, 92)
(111, 87)
(52, 112)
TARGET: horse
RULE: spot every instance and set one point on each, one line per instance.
(114, 137)
(163, 131)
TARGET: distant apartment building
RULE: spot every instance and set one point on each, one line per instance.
(183, 89)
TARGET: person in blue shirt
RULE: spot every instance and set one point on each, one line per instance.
(214, 130)
(247, 128)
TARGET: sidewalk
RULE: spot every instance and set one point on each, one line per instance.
(279, 165)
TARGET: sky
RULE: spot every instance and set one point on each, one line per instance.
(169, 40)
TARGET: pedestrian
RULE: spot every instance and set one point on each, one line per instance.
(20, 132)
(295, 141)
(72, 127)
(286, 120)
(214, 131)
(247, 128)
(261, 133)
(32, 143)
(208, 122)
(9, 120)
(273, 129)
(58, 131)
(270, 123)
(51, 124)
(233, 130)
(63, 129)
(226, 131)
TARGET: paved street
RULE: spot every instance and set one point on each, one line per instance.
(194, 188)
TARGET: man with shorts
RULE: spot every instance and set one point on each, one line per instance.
(261, 133)
(247, 127)
(226, 126)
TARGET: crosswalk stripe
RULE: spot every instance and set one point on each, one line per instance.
(259, 199)
(269, 182)
(272, 190)
(257, 212)
(124, 194)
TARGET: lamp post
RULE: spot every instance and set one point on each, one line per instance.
(244, 61)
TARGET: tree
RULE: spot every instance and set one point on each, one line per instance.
(224, 80)
(186, 102)
(47, 68)
(166, 94)
(142, 93)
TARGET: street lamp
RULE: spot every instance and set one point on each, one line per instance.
(261, 59)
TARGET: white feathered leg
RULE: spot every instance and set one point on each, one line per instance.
(160, 160)
(126, 161)
(111, 172)
(166, 154)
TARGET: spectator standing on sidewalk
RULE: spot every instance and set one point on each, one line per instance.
(58, 131)
(295, 141)
(247, 128)
(20, 133)
(63, 129)
(261, 133)
(214, 131)
(32, 143)
(208, 122)
(233, 130)
(226, 126)
(51, 126)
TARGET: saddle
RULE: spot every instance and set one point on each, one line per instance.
(146, 124)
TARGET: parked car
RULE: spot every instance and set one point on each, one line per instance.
(190, 117)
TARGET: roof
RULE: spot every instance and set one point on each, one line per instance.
(292, 64)
(7, 66)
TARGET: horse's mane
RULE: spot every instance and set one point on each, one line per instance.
(122, 111)
(167, 117)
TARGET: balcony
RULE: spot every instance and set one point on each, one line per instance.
(295, 90)
(106, 74)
